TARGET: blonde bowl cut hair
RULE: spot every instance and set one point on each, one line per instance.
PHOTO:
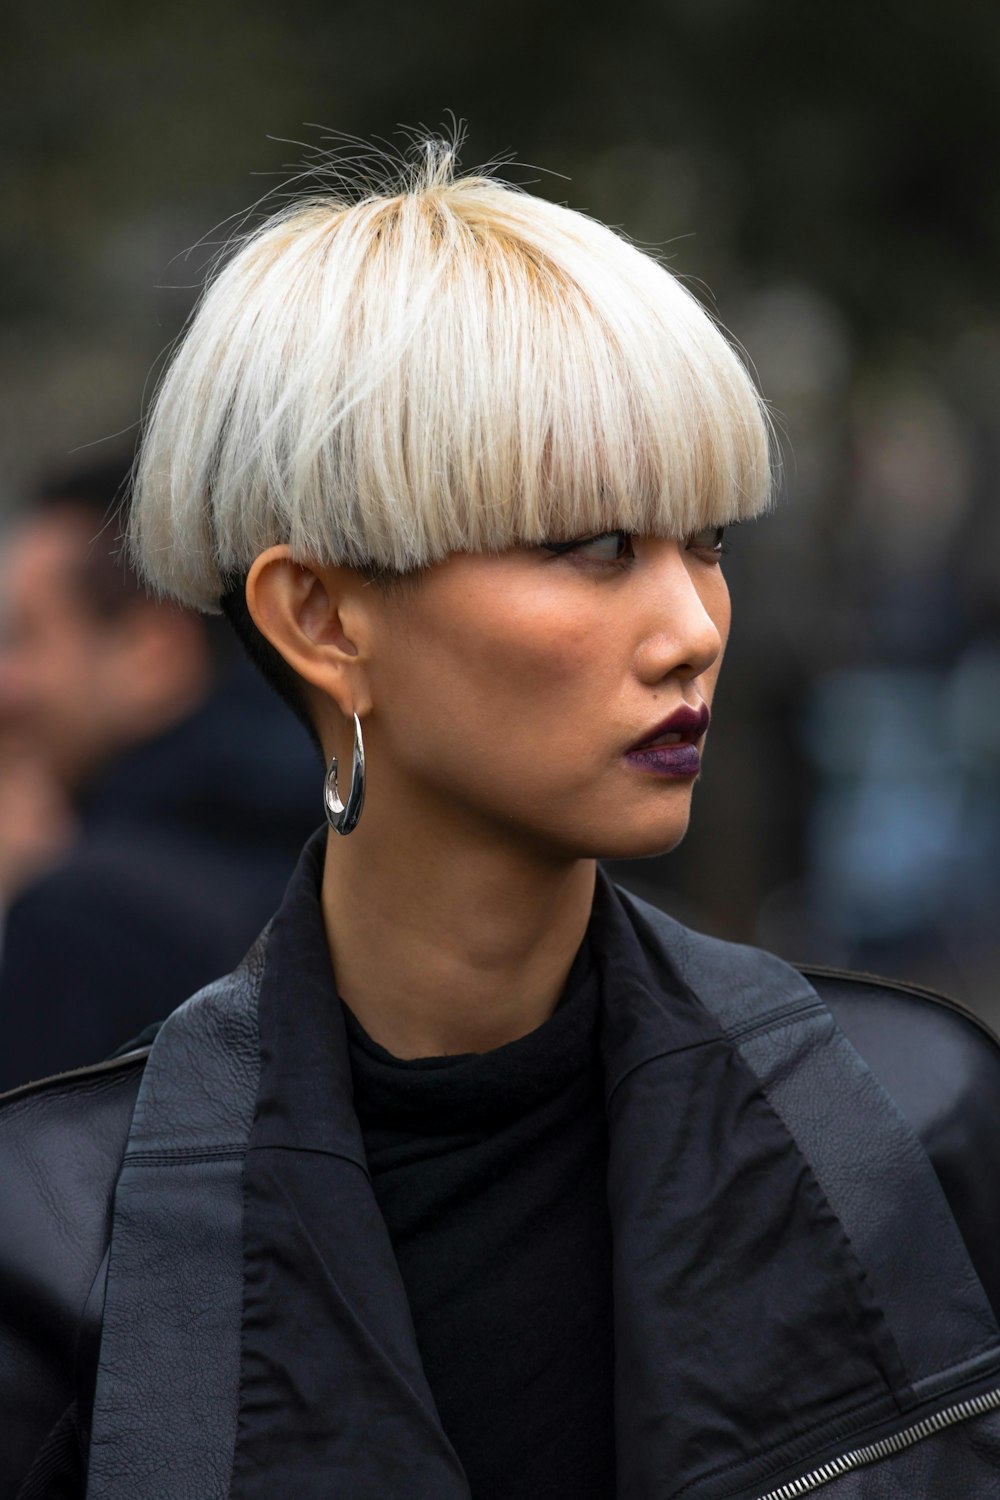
(452, 365)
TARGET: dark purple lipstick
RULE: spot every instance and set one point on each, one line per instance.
(671, 749)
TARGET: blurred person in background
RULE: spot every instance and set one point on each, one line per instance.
(480, 1177)
(153, 793)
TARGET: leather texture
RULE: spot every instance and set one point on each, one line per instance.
(941, 1065)
(62, 1143)
(812, 1075)
(179, 1202)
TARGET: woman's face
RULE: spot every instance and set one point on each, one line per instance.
(515, 692)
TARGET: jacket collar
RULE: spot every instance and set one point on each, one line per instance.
(747, 1331)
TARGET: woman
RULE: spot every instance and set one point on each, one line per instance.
(479, 1177)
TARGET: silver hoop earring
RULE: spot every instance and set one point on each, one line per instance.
(343, 816)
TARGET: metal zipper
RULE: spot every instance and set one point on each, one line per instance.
(976, 1406)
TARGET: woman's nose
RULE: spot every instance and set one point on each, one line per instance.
(687, 613)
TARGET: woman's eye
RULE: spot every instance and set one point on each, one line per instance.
(709, 539)
(610, 546)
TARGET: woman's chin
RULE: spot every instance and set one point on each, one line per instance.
(641, 837)
(641, 846)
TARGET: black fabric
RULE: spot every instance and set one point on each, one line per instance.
(61, 1145)
(490, 1172)
(917, 1043)
(721, 1232)
(332, 1391)
(747, 1351)
(717, 1219)
(163, 1419)
(941, 1065)
(809, 1073)
(187, 844)
(57, 1472)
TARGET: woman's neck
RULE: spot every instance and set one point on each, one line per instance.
(442, 950)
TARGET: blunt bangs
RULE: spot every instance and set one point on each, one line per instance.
(457, 366)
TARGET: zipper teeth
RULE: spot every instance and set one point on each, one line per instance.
(976, 1406)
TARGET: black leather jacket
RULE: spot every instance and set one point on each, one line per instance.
(62, 1143)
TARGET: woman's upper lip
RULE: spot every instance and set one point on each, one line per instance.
(687, 722)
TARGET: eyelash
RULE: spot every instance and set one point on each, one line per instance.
(715, 547)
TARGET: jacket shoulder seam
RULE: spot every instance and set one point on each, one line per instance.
(67, 1081)
(903, 987)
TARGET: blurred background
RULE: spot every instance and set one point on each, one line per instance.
(825, 178)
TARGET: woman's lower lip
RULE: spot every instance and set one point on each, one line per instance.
(681, 761)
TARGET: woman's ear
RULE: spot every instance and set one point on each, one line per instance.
(316, 617)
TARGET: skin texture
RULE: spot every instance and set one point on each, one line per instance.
(498, 696)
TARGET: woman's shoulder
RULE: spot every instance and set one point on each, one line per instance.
(927, 1050)
(923, 1045)
(940, 1063)
(61, 1145)
(938, 1060)
(72, 1125)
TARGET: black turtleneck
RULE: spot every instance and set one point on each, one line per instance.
(490, 1172)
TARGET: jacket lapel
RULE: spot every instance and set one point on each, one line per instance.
(814, 1079)
(257, 1337)
(332, 1384)
(165, 1403)
(764, 1239)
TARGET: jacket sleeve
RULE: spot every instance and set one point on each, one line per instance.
(61, 1143)
(941, 1065)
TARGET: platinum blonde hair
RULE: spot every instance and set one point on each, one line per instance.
(448, 365)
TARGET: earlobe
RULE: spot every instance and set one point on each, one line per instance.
(302, 609)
